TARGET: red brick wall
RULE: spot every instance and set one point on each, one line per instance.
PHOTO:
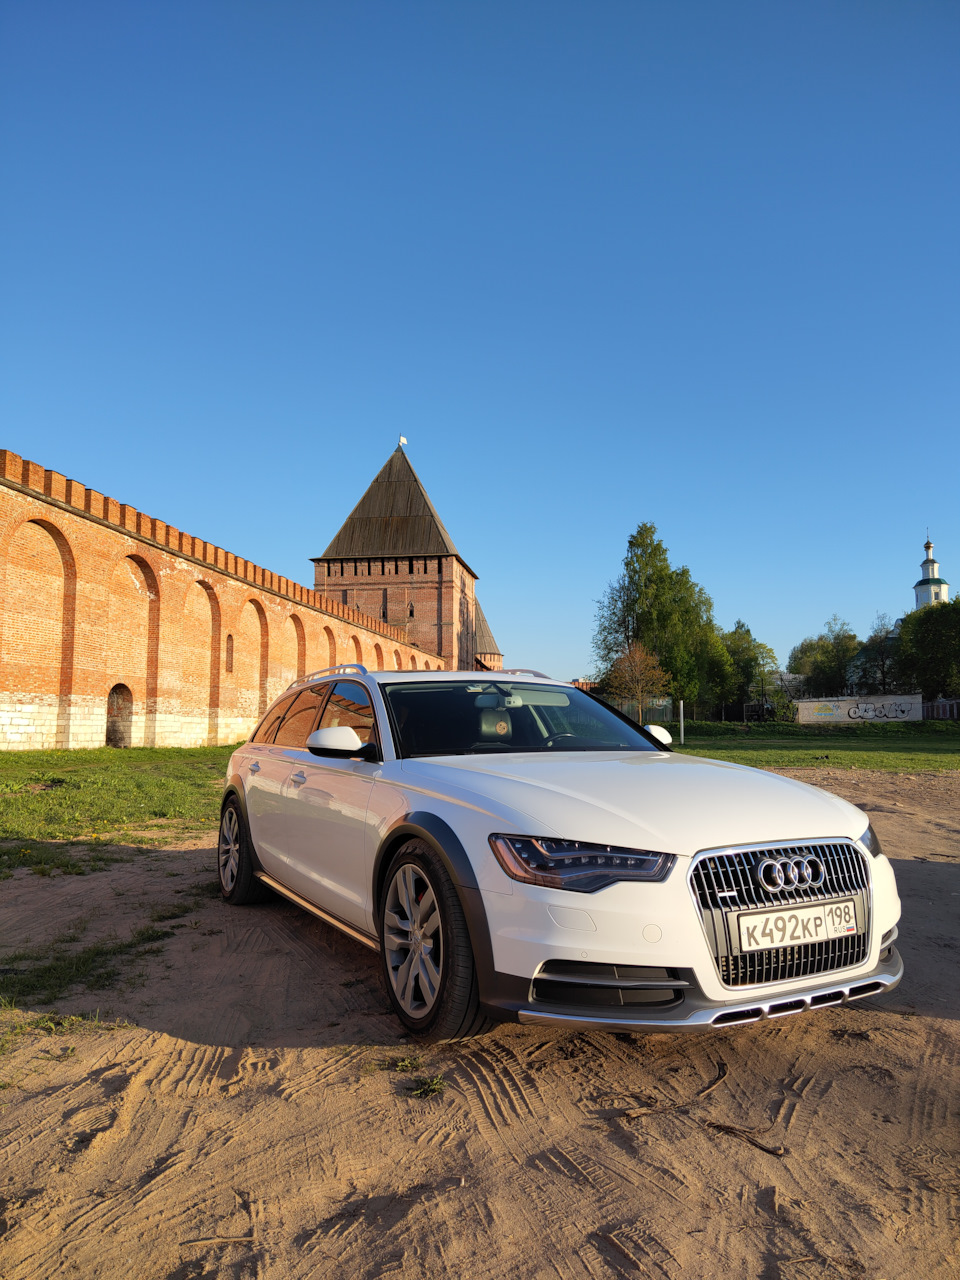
(429, 599)
(96, 594)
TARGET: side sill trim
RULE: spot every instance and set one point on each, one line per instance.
(325, 916)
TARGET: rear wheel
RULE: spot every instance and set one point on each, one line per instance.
(428, 962)
(235, 863)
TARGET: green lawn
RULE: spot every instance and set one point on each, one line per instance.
(97, 798)
(894, 748)
(64, 809)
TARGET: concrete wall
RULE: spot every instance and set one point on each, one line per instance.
(907, 706)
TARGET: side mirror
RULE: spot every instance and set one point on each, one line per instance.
(659, 732)
(341, 742)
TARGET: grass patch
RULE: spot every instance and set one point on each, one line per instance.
(404, 1065)
(15, 1024)
(947, 732)
(43, 859)
(174, 912)
(192, 900)
(833, 752)
(141, 796)
(44, 974)
(427, 1086)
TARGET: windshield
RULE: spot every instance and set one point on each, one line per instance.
(462, 718)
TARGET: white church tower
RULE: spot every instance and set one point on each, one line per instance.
(931, 589)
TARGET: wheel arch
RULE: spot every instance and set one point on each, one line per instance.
(234, 790)
(446, 844)
(438, 835)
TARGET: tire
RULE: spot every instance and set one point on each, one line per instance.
(428, 965)
(236, 868)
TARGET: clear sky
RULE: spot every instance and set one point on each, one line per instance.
(691, 263)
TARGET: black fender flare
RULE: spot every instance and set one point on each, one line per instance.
(234, 790)
(446, 844)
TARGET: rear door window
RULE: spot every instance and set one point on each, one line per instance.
(301, 718)
(268, 725)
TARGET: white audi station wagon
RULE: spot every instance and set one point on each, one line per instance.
(516, 849)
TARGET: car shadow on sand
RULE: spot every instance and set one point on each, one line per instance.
(274, 976)
(929, 939)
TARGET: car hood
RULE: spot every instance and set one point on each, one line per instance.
(652, 800)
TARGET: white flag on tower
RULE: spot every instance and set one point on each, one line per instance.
(403, 439)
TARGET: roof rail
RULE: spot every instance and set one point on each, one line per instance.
(326, 671)
(522, 671)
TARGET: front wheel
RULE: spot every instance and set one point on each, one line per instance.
(235, 861)
(428, 962)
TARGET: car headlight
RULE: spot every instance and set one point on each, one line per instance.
(871, 841)
(572, 864)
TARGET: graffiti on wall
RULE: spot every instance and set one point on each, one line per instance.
(843, 710)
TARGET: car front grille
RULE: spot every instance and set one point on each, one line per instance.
(781, 963)
(724, 883)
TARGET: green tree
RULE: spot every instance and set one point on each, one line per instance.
(825, 661)
(876, 663)
(753, 663)
(662, 609)
(720, 679)
(929, 655)
(671, 616)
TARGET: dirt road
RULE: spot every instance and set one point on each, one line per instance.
(251, 1122)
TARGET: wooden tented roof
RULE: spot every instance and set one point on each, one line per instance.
(393, 518)
(484, 636)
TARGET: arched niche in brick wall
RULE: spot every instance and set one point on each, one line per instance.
(251, 653)
(293, 650)
(378, 657)
(397, 659)
(199, 666)
(331, 647)
(37, 622)
(131, 642)
(357, 649)
(119, 716)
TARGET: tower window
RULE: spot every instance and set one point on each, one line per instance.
(410, 612)
(229, 654)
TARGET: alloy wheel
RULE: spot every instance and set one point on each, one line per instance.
(229, 848)
(413, 941)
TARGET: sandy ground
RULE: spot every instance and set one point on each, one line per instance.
(242, 1124)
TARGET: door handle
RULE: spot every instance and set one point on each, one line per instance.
(299, 777)
(255, 767)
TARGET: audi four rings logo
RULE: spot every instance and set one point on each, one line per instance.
(774, 874)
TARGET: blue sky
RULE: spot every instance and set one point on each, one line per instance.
(689, 263)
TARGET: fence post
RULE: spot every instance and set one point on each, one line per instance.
(681, 722)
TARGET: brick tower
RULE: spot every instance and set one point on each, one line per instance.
(394, 560)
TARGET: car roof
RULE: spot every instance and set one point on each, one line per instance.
(406, 677)
(524, 677)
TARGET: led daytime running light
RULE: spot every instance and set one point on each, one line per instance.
(573, 864)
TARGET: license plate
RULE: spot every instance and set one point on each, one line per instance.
(792, 926)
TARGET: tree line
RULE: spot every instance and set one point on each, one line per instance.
(655, 636)
(920, 654)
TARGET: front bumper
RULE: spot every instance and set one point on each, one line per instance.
(511, 998)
